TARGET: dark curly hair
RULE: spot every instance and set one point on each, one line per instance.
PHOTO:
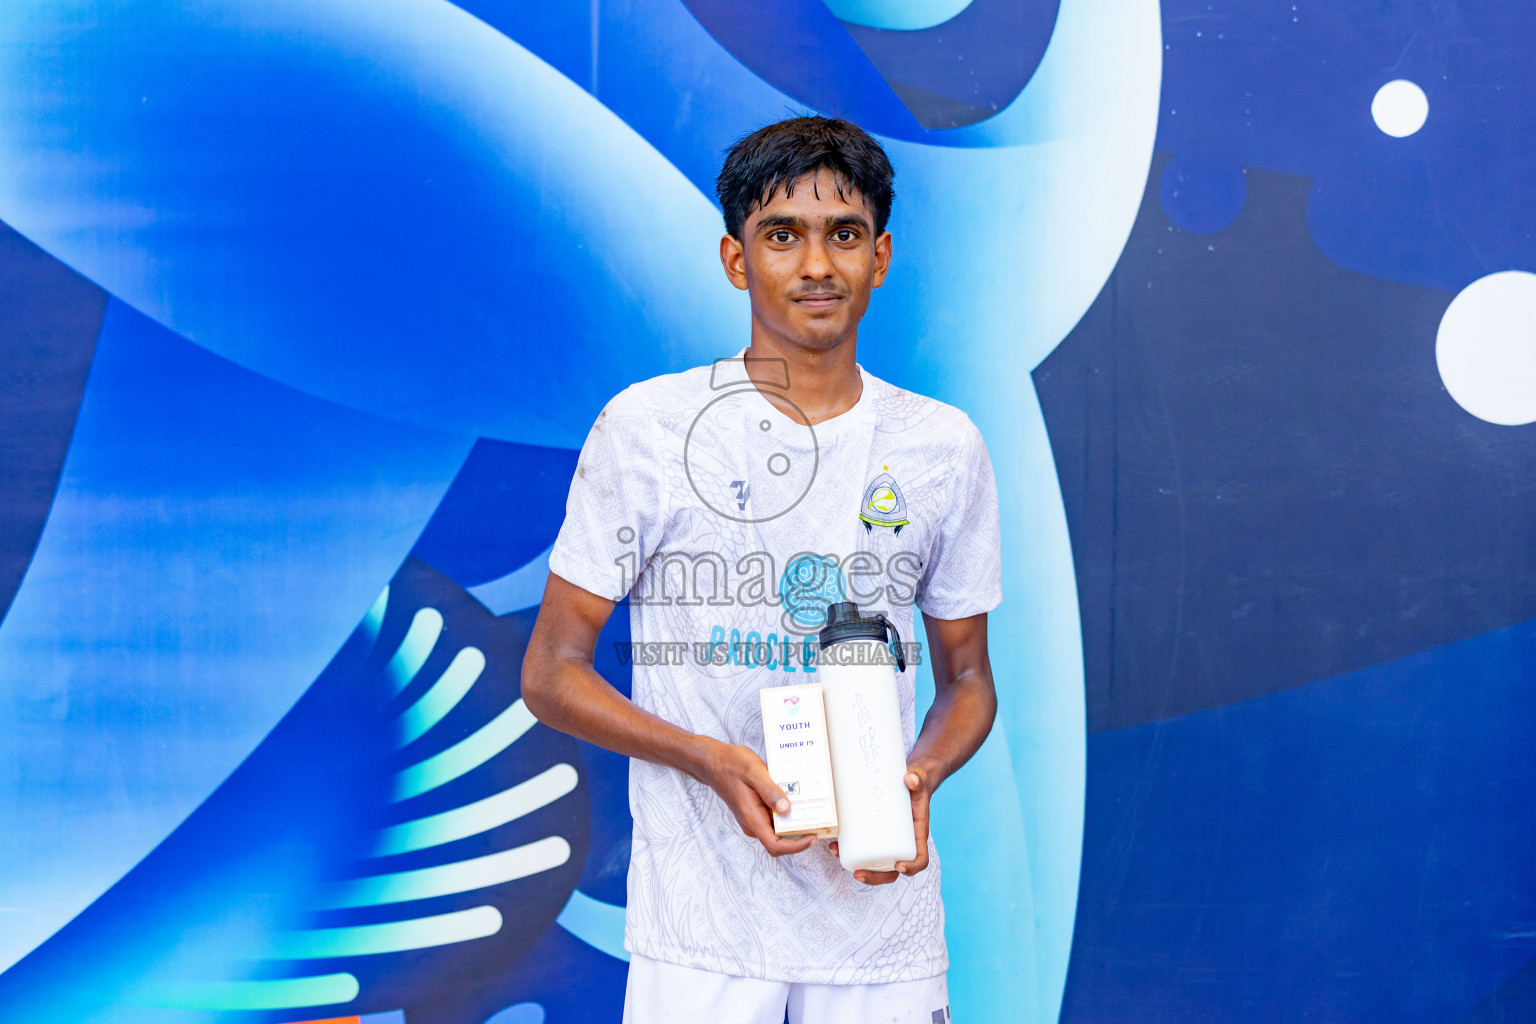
(777, 155)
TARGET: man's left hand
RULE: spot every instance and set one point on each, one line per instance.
(918, 781)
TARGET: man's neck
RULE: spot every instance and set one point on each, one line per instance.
(823, 383)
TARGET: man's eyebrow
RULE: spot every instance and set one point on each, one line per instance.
(784, 220)
(780, 220)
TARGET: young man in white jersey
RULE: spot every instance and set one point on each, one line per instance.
(732, 503)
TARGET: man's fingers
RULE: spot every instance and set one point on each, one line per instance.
(875, 877)
(755, 774)
(761, 830)
(756, 822)
(917, 782)
(738, 764)
(771, 794)
(920, 834)
(920, 797)
(778, 845)
(781, 845)
(920, 816)
(742, 781)
(753, 815)
(918, 863)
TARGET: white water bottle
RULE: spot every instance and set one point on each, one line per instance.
(857, 665)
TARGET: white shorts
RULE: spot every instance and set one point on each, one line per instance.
(662, 993)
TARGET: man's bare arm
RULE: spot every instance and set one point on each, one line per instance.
(964, 705)
(564, 691)
(964, 701)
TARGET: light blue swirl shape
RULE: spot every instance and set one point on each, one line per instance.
(1022, 239)
(373, 620)
(388, 937)
(416, 216)
(466, 755)
(450, 879)
(262, 994)
(521, 1013)
(443, 696)
(481, 816)
(414, 650)
(598, 924)
(897, 14)
(521, 588)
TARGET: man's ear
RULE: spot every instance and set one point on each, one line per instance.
(882, 257)
(734, 259)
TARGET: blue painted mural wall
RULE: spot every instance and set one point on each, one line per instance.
(306, 307)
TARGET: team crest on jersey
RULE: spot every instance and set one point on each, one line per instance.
(884, 504)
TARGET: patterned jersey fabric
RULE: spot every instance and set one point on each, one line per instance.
(731, 527)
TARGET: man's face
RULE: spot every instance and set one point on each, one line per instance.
(809, 261)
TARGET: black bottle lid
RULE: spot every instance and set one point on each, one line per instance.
(845, 623)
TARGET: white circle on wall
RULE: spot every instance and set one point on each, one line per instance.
(1400, 108)
(1486, 348)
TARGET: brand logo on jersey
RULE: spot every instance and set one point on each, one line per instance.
(884, 504)
(740, 487)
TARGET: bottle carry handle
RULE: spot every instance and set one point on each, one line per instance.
(894, 643)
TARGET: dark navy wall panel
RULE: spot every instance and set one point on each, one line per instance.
(1357, 849)
(49, 318)
(1265, 479)
(500, 483)
(1288, 87)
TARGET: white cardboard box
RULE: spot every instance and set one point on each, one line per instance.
(798, 759)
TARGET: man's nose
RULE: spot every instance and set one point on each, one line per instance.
(818, 261)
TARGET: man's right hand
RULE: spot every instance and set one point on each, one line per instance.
(742, 780)
(563, 690)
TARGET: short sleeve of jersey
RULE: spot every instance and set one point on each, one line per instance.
(963, 576)
(613, 514)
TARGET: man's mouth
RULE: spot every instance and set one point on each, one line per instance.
(818, 300)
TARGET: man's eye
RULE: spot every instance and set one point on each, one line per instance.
(780, 236)
(844, 235)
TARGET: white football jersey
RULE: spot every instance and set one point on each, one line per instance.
(731, 527)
